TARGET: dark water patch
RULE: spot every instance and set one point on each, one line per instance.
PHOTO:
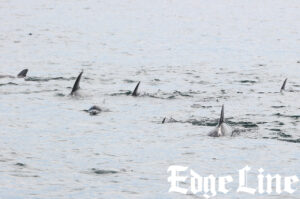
(46, 79)
(200, 106)
(41, 91)
(273, 138)
(9, 84)
(277, 130)
(214, 122)
(184, 94)
(237, 131)
(278, 123)
(129, 81)
(291, 140)
(288, 116)
(158, 95)
(103, 172)
(284, 135)
(244, 124)
(261, 122)
(277, 106)
(20, 164)
(247, 81)
(122, 93)
(188, 153)
(60, 94)
(199, 82)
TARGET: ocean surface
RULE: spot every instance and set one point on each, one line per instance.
(191, 57)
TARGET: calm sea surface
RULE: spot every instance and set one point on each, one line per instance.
(191, 57)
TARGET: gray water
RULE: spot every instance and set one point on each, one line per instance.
(190, 56)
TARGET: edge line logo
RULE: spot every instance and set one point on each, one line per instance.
(207, 185)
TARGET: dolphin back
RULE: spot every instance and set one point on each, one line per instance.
(23, 73)
(283, 85)
(135, 92)
(76, 85)
(221, 130)
(221, 120)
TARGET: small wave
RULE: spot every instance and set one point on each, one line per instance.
(243, 124)
(288, 116)
(277, 106)
(102, 171)
(9, 84)
(291, 140)
(248, 82)
(200, 106)
(46, 79)
(129, 81)
(20, 164)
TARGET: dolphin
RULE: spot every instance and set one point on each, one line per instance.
(94, 110)
(23, 73)
(283, 85)
(135, 92)
(168, 120)
(222, 128)
(76, 84)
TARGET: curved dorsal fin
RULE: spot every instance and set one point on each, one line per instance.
(283, 85)
(76, 85)
(23, 73)
(135, 92)
(221, 120)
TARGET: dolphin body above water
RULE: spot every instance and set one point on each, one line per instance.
(222, 128)
(283, 85)
(76, 86)
(135, 92)
(21, 74)
(94, 110)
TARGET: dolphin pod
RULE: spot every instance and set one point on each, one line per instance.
(222, 129)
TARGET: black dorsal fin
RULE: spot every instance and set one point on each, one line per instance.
(76, 85)
(283, 85)
(135, 92)
(23, 73)
(163, 120)
(221, 120)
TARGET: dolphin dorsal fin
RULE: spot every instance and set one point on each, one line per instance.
(76, 85)
(135, 92)
(221, 120)
(23, 73)
(283, 85)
